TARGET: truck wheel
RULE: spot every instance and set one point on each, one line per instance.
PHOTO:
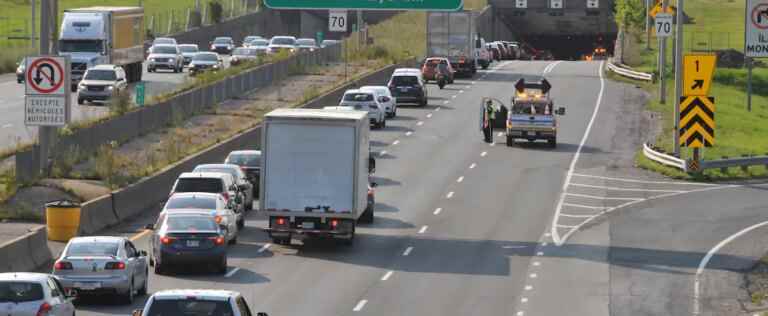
(485, 66)
(351, 241)
(553, 143)
(424, 102)
(510, 141)
(80, 101)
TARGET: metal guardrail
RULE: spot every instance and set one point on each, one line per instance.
(663, 158)
(735, 162)
(629, 73)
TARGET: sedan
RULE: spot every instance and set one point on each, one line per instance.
(223, 45)
(103, 265)
(243, 182)
(205, 61)
(306, 44)
(188, 51)
(250, 162)
(188, 238)
(24, 293)
(242, 55)
(209, 202)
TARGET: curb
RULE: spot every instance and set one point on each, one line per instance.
(27, 252)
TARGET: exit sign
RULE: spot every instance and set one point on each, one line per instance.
(427, 5)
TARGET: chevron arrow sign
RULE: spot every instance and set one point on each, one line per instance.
(697, 121)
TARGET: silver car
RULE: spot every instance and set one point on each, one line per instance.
(165, 57)
(103, 265)
(241, 179)
(30, 294)
(188, 51)
(211, 203)
(197, 302)
(101, 83)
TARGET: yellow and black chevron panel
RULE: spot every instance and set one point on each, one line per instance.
(697, 121)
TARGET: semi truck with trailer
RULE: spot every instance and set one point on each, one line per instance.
(452, 35)
(314, 173)
(103, 35)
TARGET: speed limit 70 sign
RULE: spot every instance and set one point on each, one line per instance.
(337, 20)
(663, 25)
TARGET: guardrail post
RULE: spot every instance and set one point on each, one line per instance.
(724, 169)
(766, 166)
(745, 168)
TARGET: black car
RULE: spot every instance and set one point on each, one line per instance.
(188, 238)
(223, 45)
(250, 162)
(205, 61)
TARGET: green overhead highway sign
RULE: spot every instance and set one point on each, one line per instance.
(430, 5)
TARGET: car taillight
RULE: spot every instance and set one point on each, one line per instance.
(218, 219)
(114, 266)
(225, 195)
(62, 265)
(44, 309)
(166, 240)
(334, 223)
(370, 191)
(218, 241)
(280, 221)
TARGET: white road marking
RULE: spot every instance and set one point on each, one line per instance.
(461, 91)
(528, 287)
(449, 195)
(574, 215)
(231, 273)
(437, 211)
(641, 181)
(468, 87)
(437, 109)
(544, 244)
(407, 251)
(396, 142)
(7, 125)
(420, 123)
(582, 206)
(492, 144)
(547, 234)
(446, 102)
(386, 276)
(520, 313)
(708, 257)
(264, 248)
(540, 253)
(622, 189)
(536, 263)
(566, 226)
(423, 229)
(602, 197)
(473, 82)
(524, 300)
(408, 133)
(482, 154)
(429, 115)
(513, 247)
(383, 153)
(533, 275)
(360, 305)
(501, 134)
(460, 179)
(453, 97)
(572, 167)
(472, 166)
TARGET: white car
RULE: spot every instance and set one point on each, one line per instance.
(197, 302)
(213, 182)
(384, 98)
(282, 43)
(208, 202)
(101, 83)
(367, 100)
(33, 294)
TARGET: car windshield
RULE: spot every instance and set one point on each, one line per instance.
(259, 43)
(222, 41)
(283, 41)
(248, 160)
(229, 171)
(188, 49)
(405, 80)
(158, 41)
(107, 75)
(86, 46)
(164, 50)
(191, 202)
(244, 52)
(305, 42)
(20, 292)
(189, 307)
(83, 249)
(358, 97)
(189, 223)
(205, 185)
(205, 57)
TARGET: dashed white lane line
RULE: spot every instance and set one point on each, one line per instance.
(473, 82)
(446, 102)
(396, 142)
(461, 91)
(533, 275)
(528, 287)
(264, 248)
(467, 87)
(501, 134)
(408, 133)
(231, 273)
(472, 166)
(429, 115)
(453, 97)
(407, 251)
(582, 206)
(437, 109)
(520, 313)
(449, 195)
(423, 229)
(437, 211)
(460, 179)
(419, 123)
(383, 153)
(482, 154)
(540, 253)
(360, 305)
(524, 300)
(536, 263)
(387, 275)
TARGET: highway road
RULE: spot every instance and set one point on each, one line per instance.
(13, 131)
(468, 228)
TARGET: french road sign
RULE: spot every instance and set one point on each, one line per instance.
(697, 121)
(697, 73)
(521, 4)
(45, 75)
(663, 24)
(756, 28)
(337, 20)
(429, 5)
(41, 110)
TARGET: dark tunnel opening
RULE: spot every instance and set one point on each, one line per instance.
(573, 47)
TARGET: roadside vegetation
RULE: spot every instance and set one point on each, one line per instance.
(712, 26)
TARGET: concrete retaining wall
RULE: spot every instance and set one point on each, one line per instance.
(26, 252)
(491, 27)
(97, 214)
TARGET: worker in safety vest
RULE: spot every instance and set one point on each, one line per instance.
(488, 116)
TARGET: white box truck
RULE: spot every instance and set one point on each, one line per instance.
(103, 35)
(314, 173)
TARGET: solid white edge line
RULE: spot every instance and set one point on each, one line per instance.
(407, 251)
(623, 189)
(232, 272)
(264, 248)
(641, 181)
(360, 305)
(387, 275)
(423, 229)
(708, 256)
(572, 166)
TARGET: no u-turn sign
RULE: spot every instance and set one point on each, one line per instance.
(756, 28)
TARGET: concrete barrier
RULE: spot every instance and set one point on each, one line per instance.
(26, 253)
(97, 214)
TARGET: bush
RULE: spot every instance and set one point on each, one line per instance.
(120, 103)
(217, 11)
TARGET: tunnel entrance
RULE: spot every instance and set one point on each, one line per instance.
(572, 47)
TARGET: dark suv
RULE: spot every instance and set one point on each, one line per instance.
(407, 86)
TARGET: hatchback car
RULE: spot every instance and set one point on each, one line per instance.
(188, 238)
(223, 45)
(205, 61)
(250, 162)
(188, 51)
(196, 303)
(429, 69)
(24, 293)
(207, 202)
(165, 57)
(241, 179)
(366, 99)
(242, 55)
(212, 182)
(384, 97)
(281, 44)
(407, 86)
(103, 265)
(101, 83)
(306, 44)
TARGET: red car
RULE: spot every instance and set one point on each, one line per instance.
(429, 69)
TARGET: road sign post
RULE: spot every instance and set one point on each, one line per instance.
(426, 5)
(678, 71)
(662, 57)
